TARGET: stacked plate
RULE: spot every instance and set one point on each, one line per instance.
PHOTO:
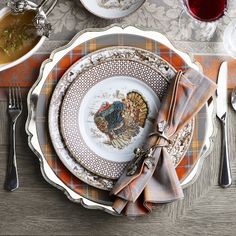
(99, 97)
(104, 107)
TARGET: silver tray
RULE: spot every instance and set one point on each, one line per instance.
(47, 65)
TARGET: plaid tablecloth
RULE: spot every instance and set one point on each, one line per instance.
(27, 72)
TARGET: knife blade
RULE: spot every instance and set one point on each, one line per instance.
(221, 92)
(225, 179)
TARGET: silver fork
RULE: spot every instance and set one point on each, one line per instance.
(14, 110)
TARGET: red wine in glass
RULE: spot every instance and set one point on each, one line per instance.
(206, 10)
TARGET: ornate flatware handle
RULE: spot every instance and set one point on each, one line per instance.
(225, 179)
(12, 180)
(139, 156)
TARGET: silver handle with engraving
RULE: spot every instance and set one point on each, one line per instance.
(225, 179)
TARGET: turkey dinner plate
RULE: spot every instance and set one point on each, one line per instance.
(108, 102)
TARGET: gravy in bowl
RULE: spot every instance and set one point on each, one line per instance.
(18, 36)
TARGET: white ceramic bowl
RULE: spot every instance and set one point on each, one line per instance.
(4, 11)
(102, 9)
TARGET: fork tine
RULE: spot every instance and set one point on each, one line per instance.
(9, 97)
(20, 97)
(13, 97)
(17, 98)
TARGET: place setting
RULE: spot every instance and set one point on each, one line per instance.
(120, 119)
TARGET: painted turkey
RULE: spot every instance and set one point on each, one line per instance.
(122, 120)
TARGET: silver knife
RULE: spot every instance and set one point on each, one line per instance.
(225, 179)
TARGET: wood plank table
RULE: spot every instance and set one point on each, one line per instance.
(38, 208)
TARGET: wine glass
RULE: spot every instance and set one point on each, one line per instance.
(206, 10)
(207, 13)
(229, 39)
(199, 18)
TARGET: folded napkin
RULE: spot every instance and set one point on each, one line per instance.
(151, 177)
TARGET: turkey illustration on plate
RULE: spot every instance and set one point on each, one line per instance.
(122, 119)
(115, 116)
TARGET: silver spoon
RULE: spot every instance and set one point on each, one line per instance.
(233, 99)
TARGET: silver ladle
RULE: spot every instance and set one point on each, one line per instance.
(40, 21)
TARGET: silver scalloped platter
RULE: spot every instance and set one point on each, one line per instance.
(124, 61)
(110, 36)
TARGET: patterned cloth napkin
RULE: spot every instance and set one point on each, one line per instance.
(151, 177)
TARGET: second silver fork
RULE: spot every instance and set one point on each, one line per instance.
(14, 110)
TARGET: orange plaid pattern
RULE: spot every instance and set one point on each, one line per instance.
(27, 72)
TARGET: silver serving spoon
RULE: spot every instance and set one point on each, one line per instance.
(233, 99)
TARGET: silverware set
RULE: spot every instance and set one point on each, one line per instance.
(14, 111)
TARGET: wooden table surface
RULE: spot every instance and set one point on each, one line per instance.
(38, 208)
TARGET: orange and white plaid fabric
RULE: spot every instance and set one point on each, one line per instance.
(26, 73)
